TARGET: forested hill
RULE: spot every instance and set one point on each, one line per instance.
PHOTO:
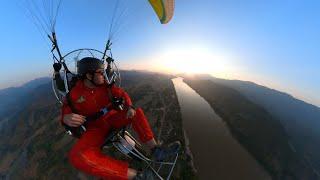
(34, 146)
(301, 120)
(14, 99)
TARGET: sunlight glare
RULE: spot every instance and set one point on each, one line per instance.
(192, 60)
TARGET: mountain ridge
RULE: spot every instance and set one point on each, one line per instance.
(262, 135)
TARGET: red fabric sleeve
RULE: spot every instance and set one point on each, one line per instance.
(64, 110)
(116, 91)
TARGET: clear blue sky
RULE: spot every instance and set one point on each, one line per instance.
(271, 42)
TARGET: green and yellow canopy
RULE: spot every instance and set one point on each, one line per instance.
(164, 9)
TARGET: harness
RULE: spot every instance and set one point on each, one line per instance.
(116, 103)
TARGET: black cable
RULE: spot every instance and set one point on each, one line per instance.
(55, 17)
(40, 15)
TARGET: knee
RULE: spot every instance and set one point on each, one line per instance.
(140, 116)
(74, 157)
(139, 112)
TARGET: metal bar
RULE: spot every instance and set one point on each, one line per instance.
(55, 42)
(52, 84)
(66, 81)
(173, 167)
(82, 49)
(159, 168)
(108, 45)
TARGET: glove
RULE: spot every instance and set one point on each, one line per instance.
(57, 67)
(118, 103)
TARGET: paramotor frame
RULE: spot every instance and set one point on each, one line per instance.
(125, 143)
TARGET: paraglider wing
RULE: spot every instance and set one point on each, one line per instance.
(164, 9)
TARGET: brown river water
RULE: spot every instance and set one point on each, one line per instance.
(216, 154)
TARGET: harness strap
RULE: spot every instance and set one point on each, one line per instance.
(77, 131)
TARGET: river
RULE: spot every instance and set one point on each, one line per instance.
(216, 154)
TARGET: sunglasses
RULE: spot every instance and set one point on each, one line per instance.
(99, 72)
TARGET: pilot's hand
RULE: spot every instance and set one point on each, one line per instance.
(57, 67)
(74, 120)
(131, 112)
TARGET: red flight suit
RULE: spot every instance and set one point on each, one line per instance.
(86, 154)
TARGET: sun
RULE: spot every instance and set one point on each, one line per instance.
(192, 60)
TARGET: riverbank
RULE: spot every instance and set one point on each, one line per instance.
(217, 155)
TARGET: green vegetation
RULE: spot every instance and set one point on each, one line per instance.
(41, 145)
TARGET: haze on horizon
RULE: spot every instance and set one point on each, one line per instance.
(272, 43)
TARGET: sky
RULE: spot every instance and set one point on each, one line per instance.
(274, 43)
